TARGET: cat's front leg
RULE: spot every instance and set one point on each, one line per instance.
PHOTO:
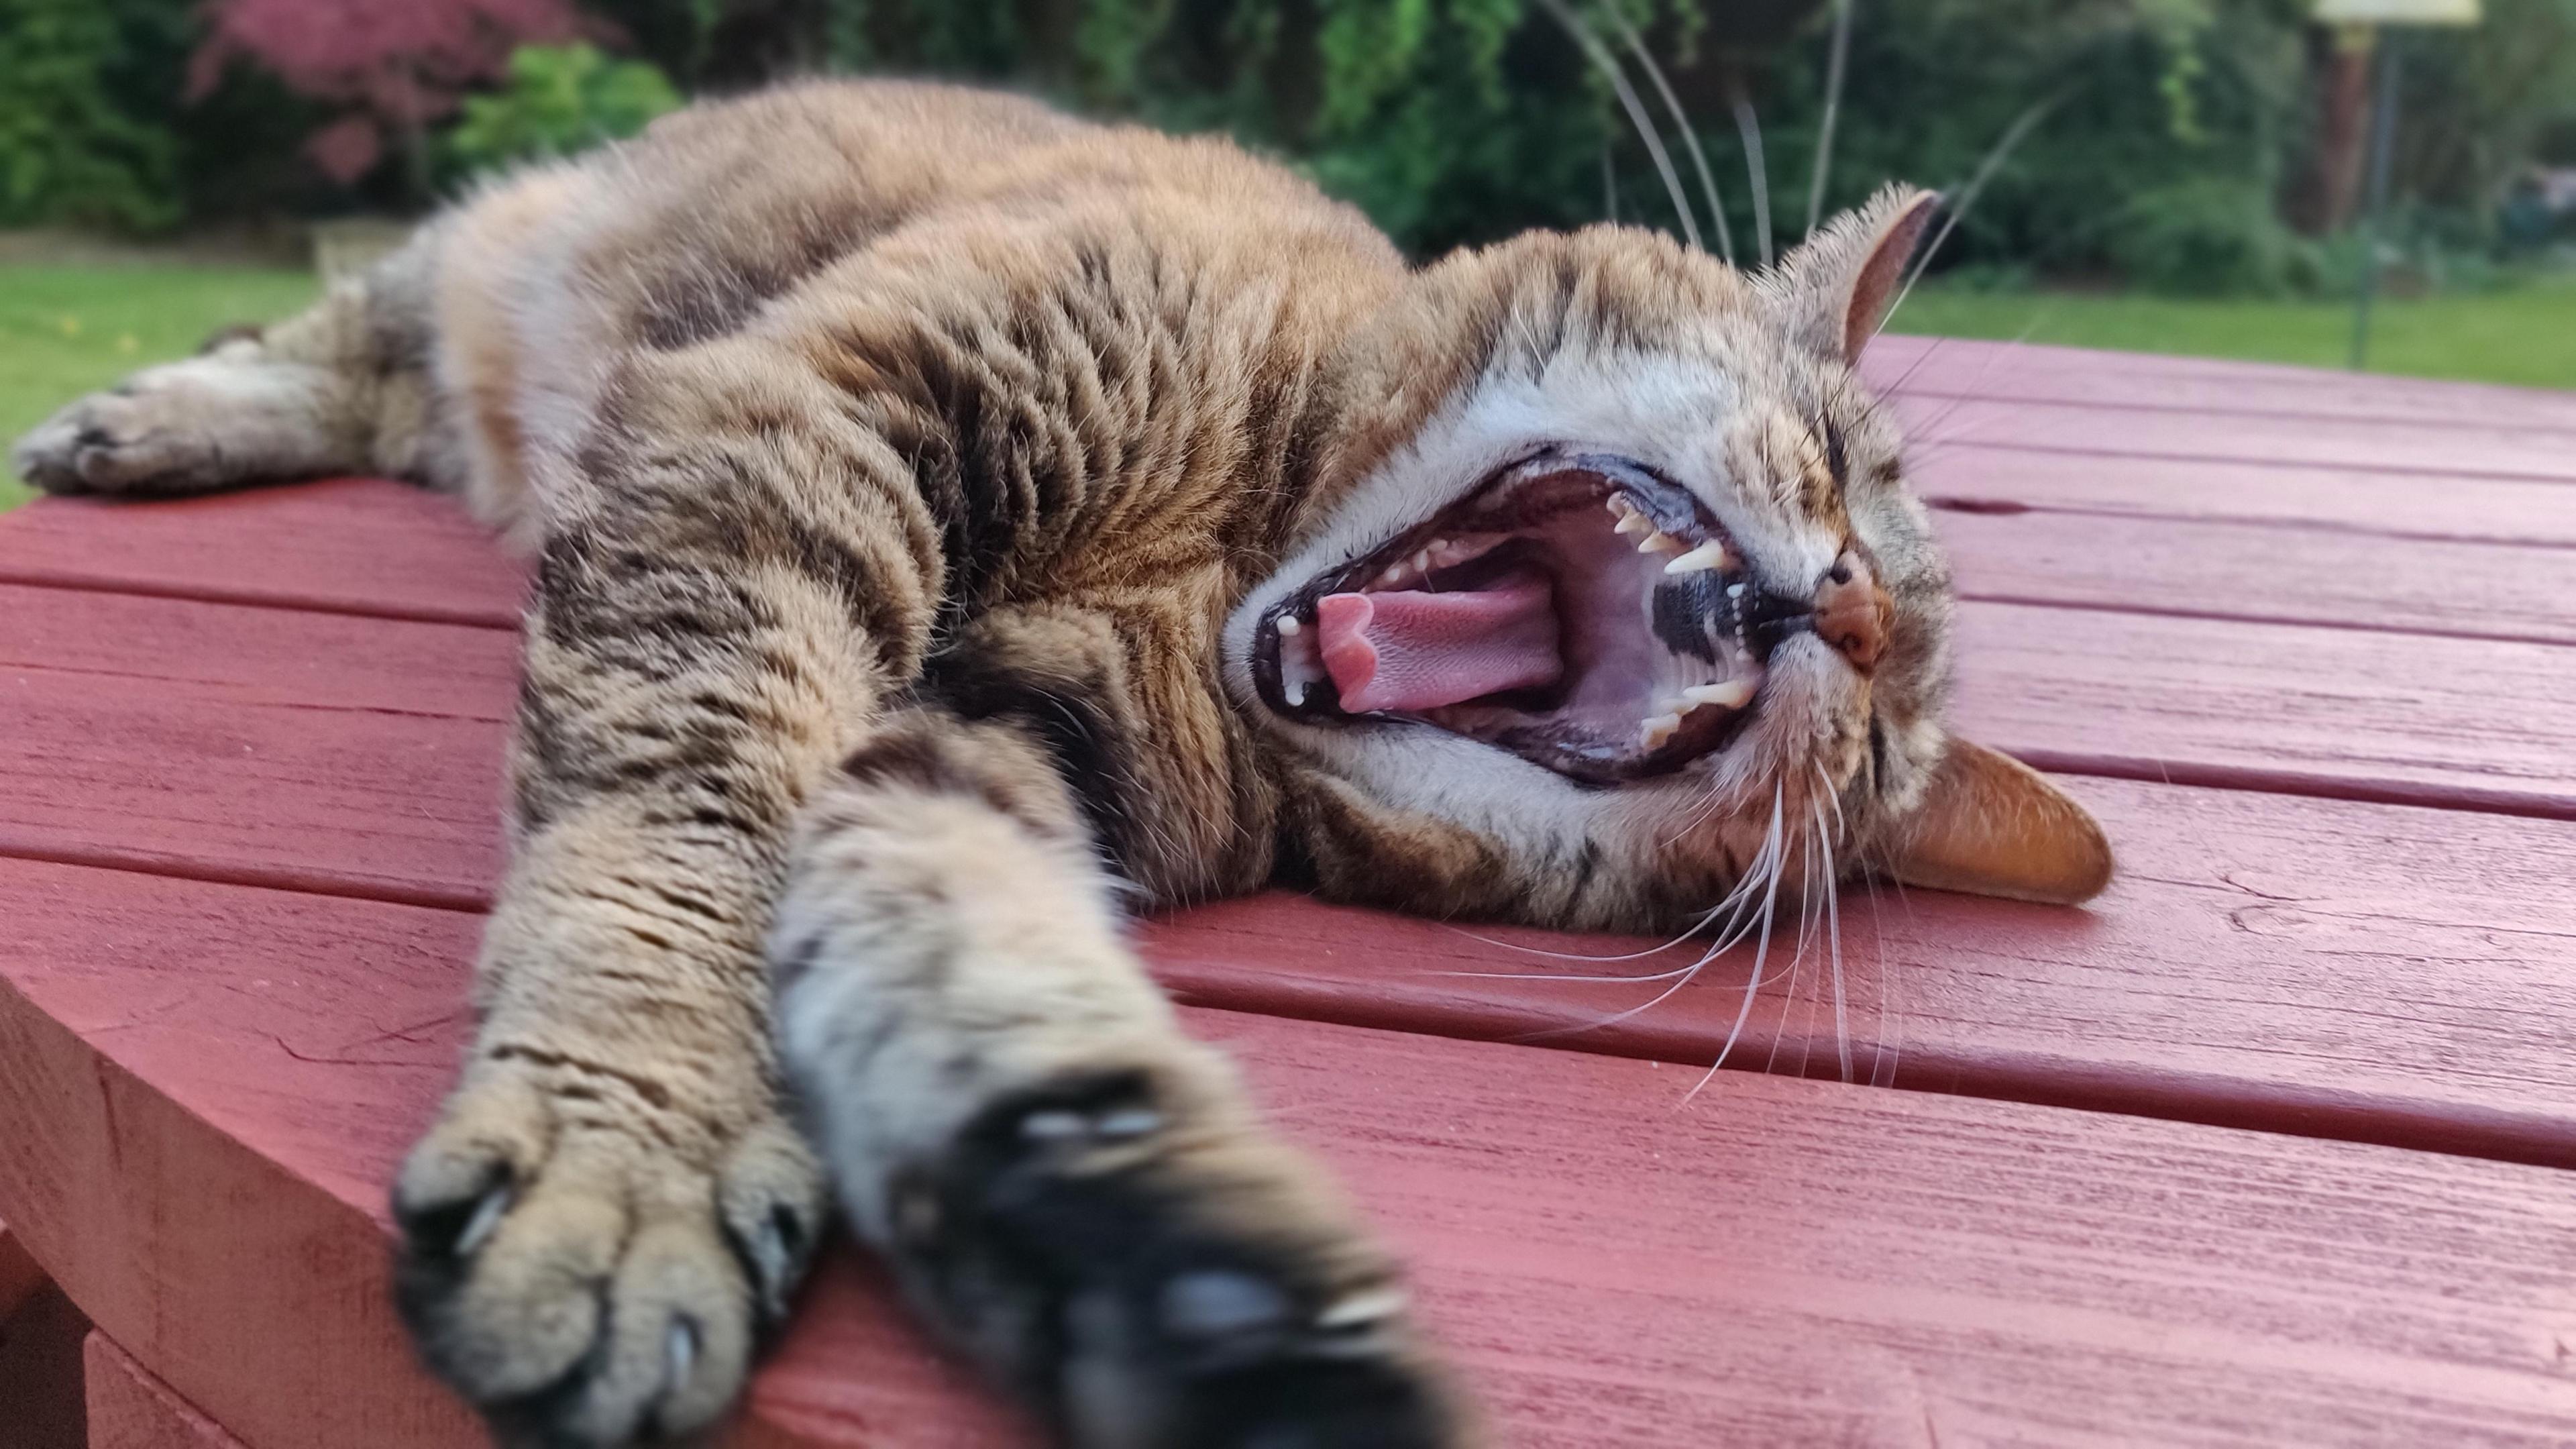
(611, 1207)
(1075, 1191)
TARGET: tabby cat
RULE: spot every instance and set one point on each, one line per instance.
(957, 525)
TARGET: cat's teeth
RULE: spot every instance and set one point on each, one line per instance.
(1288, 626)
(1709, 555)
(1294, 691)
(1630, 521)
(1655, 730)
(1732, 694)
(1658, 541)
(1735, 591)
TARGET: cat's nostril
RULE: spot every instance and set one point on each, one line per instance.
(1852, 612)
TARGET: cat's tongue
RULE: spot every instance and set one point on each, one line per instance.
(1410, 650)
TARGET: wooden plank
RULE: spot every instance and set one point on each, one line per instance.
(352, 545)
(2310, 966)
(2369, 444)
(2470, 723)
(204, 759)
(319, 751)
(1611, 1260)
(2038, 372)
(339, 754)
(2296, 503)
(130, 1409)
(2221, 570)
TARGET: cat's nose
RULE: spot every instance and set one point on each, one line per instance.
(1852, 612)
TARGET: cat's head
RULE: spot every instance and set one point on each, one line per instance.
(1611, 583)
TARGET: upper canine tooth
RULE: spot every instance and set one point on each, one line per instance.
(1659, 541)
(1654, 730)
(1709, 555)
(1732, 694)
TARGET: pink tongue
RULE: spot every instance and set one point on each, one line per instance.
(1414, 651)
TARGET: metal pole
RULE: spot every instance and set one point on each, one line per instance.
(2383, 138)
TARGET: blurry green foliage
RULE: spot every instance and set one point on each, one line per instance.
(68, 152)
(559, 99)
(2172, 129)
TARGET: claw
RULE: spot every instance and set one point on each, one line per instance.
(486, 1220)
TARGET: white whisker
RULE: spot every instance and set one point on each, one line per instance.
(1835, 60)
(1750, 128)
(1608, 64)
(1681, 123)
(1772, 852)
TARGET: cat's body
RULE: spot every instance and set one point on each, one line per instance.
(935, 499)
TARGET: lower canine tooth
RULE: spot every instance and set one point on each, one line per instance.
(1294, 691)
(1733, 694)
(1654, 731)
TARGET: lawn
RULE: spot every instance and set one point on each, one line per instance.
(67, 329)
(2522, 334)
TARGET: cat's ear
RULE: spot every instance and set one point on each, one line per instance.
(1837, 286)
(1993, 826)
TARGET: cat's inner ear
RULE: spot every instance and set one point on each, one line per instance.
(1838, 286)
(1993, 826)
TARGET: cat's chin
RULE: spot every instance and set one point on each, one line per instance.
(1576, 609)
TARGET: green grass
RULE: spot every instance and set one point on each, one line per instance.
(2523, 334)
(66, 330)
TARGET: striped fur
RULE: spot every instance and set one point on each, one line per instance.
(904, 468)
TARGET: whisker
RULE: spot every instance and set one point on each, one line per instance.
(1771, 844)
(1681, 123)
(1834, 944)
(1609, 66)
(1994, 160)
(1835, 59)
(1749, 127)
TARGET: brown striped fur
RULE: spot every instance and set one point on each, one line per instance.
(905, 466)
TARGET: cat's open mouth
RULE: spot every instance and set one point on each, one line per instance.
(1575, 609)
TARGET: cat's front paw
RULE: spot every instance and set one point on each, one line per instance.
(593, 1278)
(187, 427)
(1157, 1276)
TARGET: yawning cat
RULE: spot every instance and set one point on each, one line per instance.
(952, 518)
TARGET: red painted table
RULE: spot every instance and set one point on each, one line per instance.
(2272, 1145)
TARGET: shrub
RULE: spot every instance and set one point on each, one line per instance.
(558, 100)
(68, 152)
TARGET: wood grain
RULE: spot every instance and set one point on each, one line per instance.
(1611, 1260)
(319, 751)
(364, 546)
(2222, 570)
(309, 751)
(130, 1409)
(2472, 449)
(2309, 966)
(2296, 504)
(2039, 372)
(2470, 723)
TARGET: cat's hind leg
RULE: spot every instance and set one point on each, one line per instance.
(343, 387)
(1076, 1191)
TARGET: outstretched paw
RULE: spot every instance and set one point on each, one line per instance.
(209, 422)
(1157, 1275)
(589, 1282)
